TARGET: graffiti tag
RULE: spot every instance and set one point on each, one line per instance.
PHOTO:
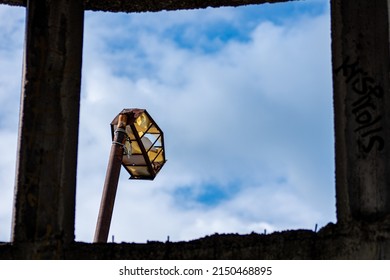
(364, 106)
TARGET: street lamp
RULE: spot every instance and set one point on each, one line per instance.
(143, 154)
(137, 145)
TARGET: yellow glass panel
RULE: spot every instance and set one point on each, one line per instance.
(130, 133)
(135, 148)
(139, 171)
(142, 123)
(157, 155)
(153, 129)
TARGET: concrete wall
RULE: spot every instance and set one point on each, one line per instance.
(360, 53)
(43, 225)
(363, 241)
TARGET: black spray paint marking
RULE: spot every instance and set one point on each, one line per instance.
(368, 95)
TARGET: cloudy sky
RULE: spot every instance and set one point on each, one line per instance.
(243, 95)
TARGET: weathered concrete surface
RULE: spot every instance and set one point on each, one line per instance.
(290, 245)
(48, 134)
(361, 55)
(332, 242)
(355, 241)
(154, 5)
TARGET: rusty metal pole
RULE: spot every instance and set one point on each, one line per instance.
(111, 182)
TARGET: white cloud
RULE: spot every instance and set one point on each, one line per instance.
(11, 43)
(253, 114)
(7, 171)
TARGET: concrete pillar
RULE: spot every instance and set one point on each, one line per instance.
(44, 208)
(361, 69)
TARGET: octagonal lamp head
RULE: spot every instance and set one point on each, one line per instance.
(144, 151)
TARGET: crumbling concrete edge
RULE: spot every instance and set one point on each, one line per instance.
(348, 241)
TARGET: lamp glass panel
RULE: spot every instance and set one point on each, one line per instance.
(151, 139)
(130, 133)
(135, 148)
(142, 123)
(157, 155)
(138, 171)
(133, 160)
(128, 149)
(154, 130)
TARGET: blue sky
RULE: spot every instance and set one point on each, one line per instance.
(244, 97)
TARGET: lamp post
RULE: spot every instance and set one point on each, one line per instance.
(137, 145)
